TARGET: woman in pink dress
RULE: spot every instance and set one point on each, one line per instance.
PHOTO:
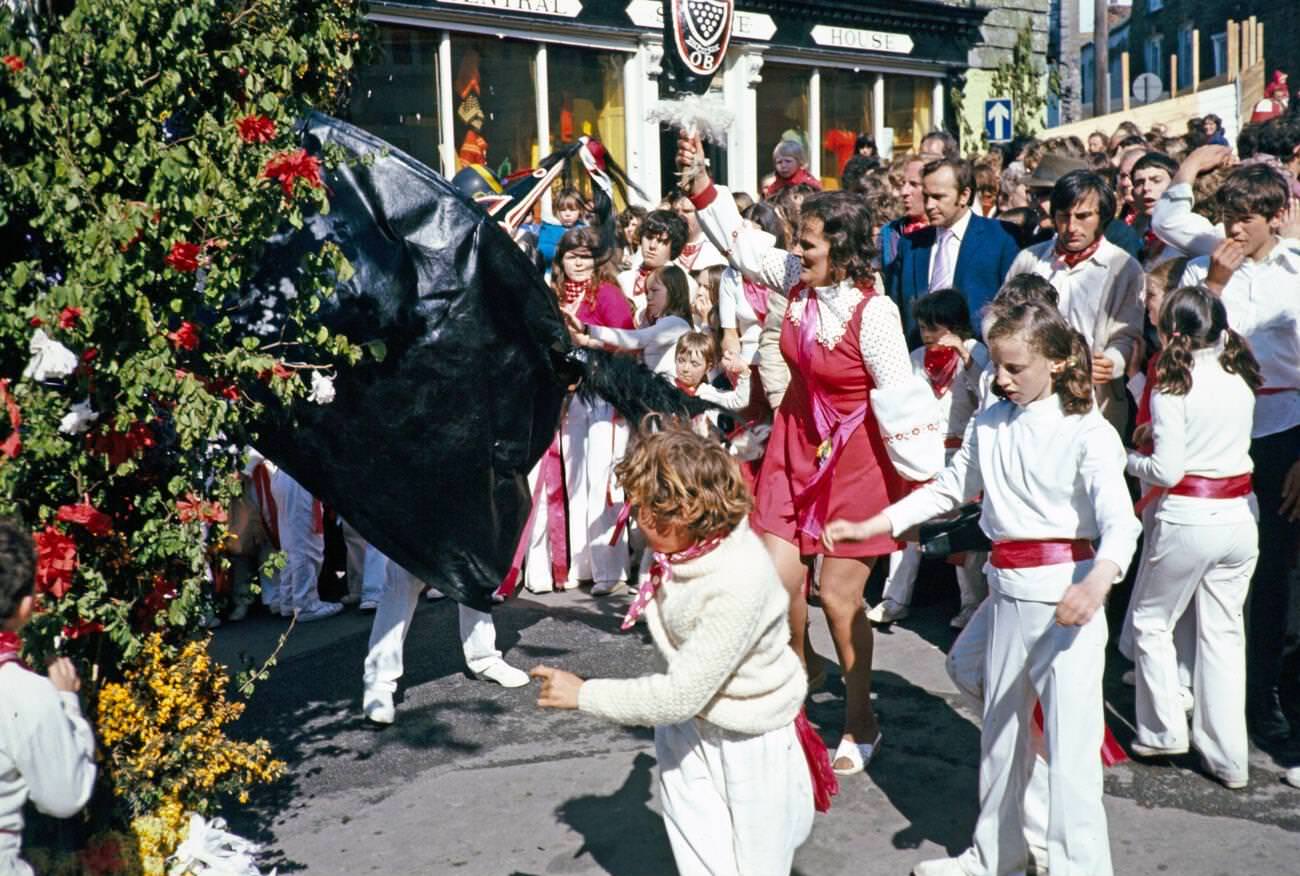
(855, 428)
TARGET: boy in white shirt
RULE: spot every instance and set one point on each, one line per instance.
(1257, 276)
(47, 750)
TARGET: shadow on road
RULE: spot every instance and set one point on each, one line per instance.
(620, 832)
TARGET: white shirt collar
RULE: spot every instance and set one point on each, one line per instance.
(959, 227)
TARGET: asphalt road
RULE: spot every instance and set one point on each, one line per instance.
(474, 779)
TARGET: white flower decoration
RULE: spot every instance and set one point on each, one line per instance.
(78, 419)
(322, 389)
(50, 359)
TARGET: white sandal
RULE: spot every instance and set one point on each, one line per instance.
(858, 754)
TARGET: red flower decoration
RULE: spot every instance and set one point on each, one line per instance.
(193, 507)
(13, 62)
(90, 354)
(120, 446)
(289, 166)
(186, 337)
(56, 560)
(184, 257)
(255, 129)
(69, 317)
(87, 515)
(76, 631)
(156, 600)
(35, 322)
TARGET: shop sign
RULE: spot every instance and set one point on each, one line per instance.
(560, 8)
(862, 40)
(744, 25)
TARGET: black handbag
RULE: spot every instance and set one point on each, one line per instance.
(955, 535)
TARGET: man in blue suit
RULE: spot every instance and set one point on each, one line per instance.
(959, 250)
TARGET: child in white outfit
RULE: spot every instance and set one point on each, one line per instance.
(1204, 540)
(1052, 473)
(47, 750)
(734, 776)
(951, 360)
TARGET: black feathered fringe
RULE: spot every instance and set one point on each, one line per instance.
(634, 390)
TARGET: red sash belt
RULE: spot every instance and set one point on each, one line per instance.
(1233, 487)
(1049, 552)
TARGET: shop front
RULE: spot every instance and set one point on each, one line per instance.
(504, 82)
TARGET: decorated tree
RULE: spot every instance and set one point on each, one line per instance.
(148, 149)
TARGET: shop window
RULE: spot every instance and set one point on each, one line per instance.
(845, 113)
(782, 99)
(494, 89)
(585, 97)
(908, 110)
(396, 97)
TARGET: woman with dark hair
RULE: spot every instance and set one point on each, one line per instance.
(1213, 128)
(855, 424)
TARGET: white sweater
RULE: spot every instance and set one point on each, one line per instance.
(47, 753)
(722, 624)
(1045, 474)
(1205, 432)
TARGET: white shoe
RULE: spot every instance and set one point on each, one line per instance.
(1292, 777)
(886, 611)
(378, 706)
(502, 673)
(606, 588)
(319, 611)
(858, 754)
(963, 617)
(1143, 750)
(238, 613)
(368, 605)
(434, 595)
(940, 867)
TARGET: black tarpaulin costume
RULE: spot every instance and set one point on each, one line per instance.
(427, 452)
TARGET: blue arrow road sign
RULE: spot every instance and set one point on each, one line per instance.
(997, 119)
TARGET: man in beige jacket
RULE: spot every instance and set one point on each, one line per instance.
(1099, 284)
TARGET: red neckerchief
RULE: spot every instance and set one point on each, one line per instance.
(638, 287)
(685, 387)
(690, 252)
(756, 295)
(1073, 258)
(911, 225)
(10, 648)
(662, 571)
(941, 364)
(572, 291)
(799, 176)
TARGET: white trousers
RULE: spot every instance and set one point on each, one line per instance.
(734, 805)
(905, 564)
(1205, 571)
(1029, 657)
(303, 546)
(592, 444)
(402, 590)
(1184, 627)
(965, 665)
(367, 567)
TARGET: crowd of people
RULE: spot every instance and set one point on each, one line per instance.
(1081, 358)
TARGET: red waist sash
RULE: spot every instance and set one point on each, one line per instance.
(1233, 487)
(1048, 552)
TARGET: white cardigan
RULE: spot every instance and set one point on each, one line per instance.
(722, 624)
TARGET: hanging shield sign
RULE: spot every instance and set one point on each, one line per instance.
(699, 32)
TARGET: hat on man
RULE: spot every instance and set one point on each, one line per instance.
(1051, 168)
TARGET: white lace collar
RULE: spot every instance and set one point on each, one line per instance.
(835, 306)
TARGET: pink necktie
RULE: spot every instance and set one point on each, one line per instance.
(941, 273)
